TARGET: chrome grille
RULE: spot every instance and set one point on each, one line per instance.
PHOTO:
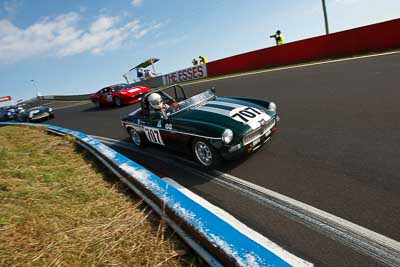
(260, 131)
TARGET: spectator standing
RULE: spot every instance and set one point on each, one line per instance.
(148, 74)
(195, 62)
(139, 73)
(278, 38)
(203, 60)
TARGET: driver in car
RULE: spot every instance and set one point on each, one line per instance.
(157, 104)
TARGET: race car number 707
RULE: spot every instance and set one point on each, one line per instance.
(153, 135)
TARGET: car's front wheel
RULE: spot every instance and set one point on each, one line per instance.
(205, 153)
(137, 138)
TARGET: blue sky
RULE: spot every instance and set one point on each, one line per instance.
(73, 47)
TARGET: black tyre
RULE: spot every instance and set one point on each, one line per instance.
(22, 119)
(117, 101)
(205, 153)
(97, 104)
(137, 138)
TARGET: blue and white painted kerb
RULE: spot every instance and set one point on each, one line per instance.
(224, 236)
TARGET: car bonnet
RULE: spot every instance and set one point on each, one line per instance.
(131, 90)
(239, 116)
(40, 109)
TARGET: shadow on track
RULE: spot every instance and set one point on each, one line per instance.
(174, 164)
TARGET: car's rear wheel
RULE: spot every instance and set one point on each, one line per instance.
(23, 119)
(137, 138)
(117, 101)
(205, 153)
(97, 103)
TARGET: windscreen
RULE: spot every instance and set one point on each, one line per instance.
(120, 87)
(195, 100)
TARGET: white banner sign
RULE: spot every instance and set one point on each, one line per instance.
(192, 73)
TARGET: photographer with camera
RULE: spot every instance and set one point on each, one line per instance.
(278, 37)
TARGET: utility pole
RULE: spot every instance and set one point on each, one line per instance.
(36, 87)
(325, 17)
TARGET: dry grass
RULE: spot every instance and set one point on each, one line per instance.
(60, 208)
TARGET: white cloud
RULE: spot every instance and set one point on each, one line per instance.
(103, 23)
(137, 3)
(61, 36)
(11, 7)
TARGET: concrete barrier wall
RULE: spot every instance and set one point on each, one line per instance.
(152, 83)
(375, 37)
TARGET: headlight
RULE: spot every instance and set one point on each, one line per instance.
(272, 106)
(227, 136)
(50, 110)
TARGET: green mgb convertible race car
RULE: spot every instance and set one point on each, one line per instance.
(210, 127)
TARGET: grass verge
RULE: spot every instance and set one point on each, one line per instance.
(59, 207)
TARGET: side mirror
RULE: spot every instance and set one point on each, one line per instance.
(213, 90)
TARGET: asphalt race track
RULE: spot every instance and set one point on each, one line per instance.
(337, 149)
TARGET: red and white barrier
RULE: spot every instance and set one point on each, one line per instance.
(5, 98)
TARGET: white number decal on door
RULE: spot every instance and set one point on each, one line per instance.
(153, 135)
(109, 98)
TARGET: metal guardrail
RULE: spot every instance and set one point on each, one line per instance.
(65, 97)
(214, 239)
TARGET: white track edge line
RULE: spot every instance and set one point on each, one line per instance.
(347, 224)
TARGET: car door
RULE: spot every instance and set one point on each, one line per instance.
(157, 130)
(107, 96)
(3, 115)
(99, 96)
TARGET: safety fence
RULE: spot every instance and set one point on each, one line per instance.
(217, 241)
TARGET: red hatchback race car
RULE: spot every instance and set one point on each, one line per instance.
(118, 95)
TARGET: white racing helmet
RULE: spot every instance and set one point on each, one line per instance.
(155, 100)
